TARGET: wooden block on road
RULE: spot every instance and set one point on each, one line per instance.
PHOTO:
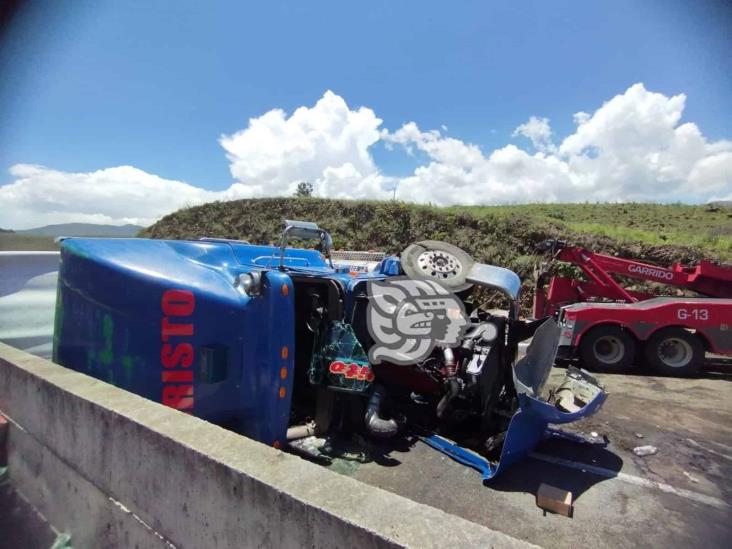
(554, 499)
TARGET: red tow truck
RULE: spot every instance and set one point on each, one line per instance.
(609, 327)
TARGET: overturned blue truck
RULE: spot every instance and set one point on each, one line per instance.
(280, 343)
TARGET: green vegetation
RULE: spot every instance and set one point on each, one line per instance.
(10, 241)
(706, 228)
(304, 189)
(504, 235)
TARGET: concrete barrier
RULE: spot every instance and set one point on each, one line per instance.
(115, 469)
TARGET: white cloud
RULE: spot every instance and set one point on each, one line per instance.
(539, 132)
(41, 196)
(327, 145)
(633, 147)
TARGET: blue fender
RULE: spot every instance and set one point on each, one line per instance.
(526, 429)
(529, 424)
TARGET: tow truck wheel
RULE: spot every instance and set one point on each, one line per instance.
(607, 348)
(675, 352)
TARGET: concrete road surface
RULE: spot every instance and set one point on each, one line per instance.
(679, 497)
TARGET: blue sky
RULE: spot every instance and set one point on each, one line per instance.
(86, 86)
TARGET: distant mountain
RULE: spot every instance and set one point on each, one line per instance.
(84, 229)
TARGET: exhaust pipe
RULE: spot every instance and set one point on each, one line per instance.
(323, 412)
(375, 424)
(453, 389)
(302, 431)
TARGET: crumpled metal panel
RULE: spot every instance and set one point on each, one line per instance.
(530, 424)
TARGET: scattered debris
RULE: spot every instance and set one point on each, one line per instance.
(595, 438)
(642, 451)
(565, 402)
(638, 435)
(62, 541)
(576, 391)
(310, 447)
(690, 477)
(556, 500)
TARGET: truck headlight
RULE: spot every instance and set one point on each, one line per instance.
(250, 282)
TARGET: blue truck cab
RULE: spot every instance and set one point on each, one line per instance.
(251, 337)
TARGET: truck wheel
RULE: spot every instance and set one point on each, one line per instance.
(675, 352)
(438, 260)
(607, 348)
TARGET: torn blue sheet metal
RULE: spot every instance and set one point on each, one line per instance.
(530, 424)
(528, 427)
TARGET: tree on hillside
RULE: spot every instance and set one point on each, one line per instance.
(304, 189)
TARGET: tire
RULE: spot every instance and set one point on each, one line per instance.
(607, 348)
(674, 352)
(439, 261)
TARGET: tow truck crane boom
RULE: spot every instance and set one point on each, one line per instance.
(706, 278)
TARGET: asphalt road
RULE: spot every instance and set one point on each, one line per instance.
(679, 497)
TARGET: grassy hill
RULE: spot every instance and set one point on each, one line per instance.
(501, 235)
(706, 228)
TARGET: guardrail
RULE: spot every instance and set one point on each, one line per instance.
(27, 300)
